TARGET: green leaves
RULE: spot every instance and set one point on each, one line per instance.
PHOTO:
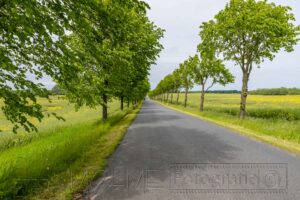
(29, 32)
(249, 31)
(120, 59)
(187, 69)
(90, 48)
(211, 70)
(246, 32)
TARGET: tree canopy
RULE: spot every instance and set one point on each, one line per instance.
(209, 70)
(196, 70)
(94, 50)
(31, 34)
(247, 32)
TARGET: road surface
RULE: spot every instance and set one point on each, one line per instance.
(167, 155)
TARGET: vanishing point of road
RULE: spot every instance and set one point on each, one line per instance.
(167, 155)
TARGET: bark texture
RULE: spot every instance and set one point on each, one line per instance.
(244, 95)
(122, 103)
(104, 108)
(202, 99)
(186, 97)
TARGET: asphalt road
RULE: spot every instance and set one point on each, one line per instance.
(167, 155)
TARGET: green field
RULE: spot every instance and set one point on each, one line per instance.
(63, 108)
(270, 118)
(28, 160)
(263, 107)
(50, 125)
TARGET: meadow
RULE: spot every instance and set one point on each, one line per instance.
(50, 124)
(28, 160)
(258, 106)
(275, 117)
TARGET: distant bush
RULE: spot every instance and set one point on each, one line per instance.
(276, 91)
(220, 91)
(224, 91)
(56, 90)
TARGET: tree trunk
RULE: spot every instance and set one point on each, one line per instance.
(244, 95)
(186, 97)
(122, 103)
(202, 99)
(104, 108)
(177, 100)
(171, 97)
(167, 97)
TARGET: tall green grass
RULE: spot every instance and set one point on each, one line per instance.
(288, 114)
(71, 182)
(22, 167)
(28, 160)
(50, 125)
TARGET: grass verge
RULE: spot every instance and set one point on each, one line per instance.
(251, 127)
(59, 165)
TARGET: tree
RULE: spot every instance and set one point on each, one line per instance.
(177, 83)
(159, 91)
(99, 46)
(121, 46)
(209, 69)
(186, 70)
(32, 42)
(248, 32)
(169, 86)
(83, 46)
(141, 90)
(143, 41)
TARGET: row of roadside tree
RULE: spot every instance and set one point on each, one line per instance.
(94, 50)
(245, 32)
(204, 70)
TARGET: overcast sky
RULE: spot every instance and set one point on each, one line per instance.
(181, 20)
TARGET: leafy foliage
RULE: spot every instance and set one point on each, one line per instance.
(92, 49)
(119, 62)
(248, 32)
(210, 70)
(195, 70)
(30, 35)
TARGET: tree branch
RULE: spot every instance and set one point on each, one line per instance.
(213, 83)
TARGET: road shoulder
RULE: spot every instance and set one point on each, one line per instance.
(276, 142)
(70, 184)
